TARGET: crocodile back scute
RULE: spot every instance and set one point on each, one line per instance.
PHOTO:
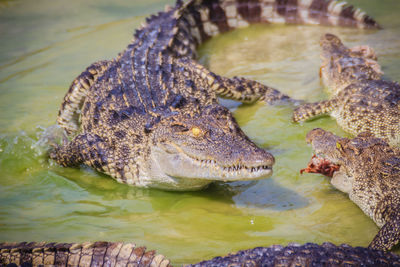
(308, 254)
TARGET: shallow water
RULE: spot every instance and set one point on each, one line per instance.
(46, 43)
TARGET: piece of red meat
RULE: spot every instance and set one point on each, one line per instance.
(320, 165)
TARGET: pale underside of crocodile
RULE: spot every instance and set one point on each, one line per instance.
(128, 254)
(151, 117)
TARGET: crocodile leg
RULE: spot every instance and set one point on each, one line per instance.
(248, 91)
(389, 235)
(73, 100)
(236, 88)
(87, 148)
(310, 110)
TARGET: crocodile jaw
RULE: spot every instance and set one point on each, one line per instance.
(175, 170)
(325, 146)
(183, 165)
(342, 181)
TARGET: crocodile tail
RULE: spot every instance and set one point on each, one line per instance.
(206, 18)
(79, 254)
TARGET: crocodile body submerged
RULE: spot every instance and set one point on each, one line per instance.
(151, 117)
(369, 171)
(361, 100)
(127, 254)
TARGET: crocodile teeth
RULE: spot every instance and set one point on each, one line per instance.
(234, 169)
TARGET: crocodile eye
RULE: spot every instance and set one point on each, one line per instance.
(196, 132)
(339, 147)
(179, 128)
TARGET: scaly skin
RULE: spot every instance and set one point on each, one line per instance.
(119, 254)
(79, 254)
(151, 116)
(361, 101)
(370, 173)
(306, 255)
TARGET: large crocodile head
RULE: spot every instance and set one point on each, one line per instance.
(189, 152)
(342, 66)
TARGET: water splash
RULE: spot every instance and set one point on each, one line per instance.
(48, 138)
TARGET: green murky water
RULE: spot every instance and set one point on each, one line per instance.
(46, 43)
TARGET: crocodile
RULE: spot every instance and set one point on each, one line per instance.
(369, 172)
(127, 254)
(151, 116)
(79, 254)
(361, 100)
(306, 255)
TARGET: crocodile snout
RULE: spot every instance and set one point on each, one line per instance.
(314, 134)
(323, 141)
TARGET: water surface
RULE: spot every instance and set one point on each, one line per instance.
(45, 44)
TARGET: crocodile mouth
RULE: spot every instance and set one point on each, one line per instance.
(238, 171)
(322, 165)
(180, 163)
(338, 175)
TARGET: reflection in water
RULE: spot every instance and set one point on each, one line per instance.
(270, 195)
(264, 195)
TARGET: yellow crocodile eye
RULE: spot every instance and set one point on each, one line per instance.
(196, 131)
(339, 146)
